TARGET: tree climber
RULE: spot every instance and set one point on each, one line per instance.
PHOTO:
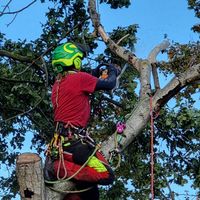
(71, 147)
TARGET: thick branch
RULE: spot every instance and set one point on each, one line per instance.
(140, 115)
(155, 76)
(176, 84)
(134, 125)
(118, 50)
(20, 81)
(152, 59)
(15, 56)
(156, 50)
(145, 74)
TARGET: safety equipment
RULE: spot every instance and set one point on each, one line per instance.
(75, 155)
(65, 56)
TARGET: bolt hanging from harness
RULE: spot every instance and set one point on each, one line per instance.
(118, 135)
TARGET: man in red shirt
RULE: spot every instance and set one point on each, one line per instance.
(70, 98)
(71, 104)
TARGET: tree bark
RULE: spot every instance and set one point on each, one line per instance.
(29, 168)
(30, 176)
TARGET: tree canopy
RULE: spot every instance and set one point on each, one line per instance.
(26, 78)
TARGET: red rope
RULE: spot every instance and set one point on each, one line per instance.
(152, 150)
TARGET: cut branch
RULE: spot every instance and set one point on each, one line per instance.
(30, 176)
(152, 59)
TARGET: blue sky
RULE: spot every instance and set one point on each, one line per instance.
(155, 18)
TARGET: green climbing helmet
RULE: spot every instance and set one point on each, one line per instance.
(66, 55)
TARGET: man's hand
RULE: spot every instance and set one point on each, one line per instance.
(116, 68)
(105, 69)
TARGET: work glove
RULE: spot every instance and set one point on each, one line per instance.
(110, 67)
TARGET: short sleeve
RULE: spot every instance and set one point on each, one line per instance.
(88, 82)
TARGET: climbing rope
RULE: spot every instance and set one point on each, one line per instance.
(64, 179)
(152, 150)
(61, 162)
(55, 149)
(69, 178)
(70, 191)
(152, 117)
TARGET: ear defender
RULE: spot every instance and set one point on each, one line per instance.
(77, 63)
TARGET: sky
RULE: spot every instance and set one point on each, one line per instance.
(155, 19)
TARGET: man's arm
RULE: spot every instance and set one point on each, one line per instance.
(108, 83)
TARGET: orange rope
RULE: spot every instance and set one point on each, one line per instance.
(152, 117)
(57, 91)
(61, 162)
(152, 150)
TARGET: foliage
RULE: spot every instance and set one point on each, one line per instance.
(26, 78)
(195, 5)
(117, 4)
(181, 57)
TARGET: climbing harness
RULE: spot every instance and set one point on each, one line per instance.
(69, 178)
(64, 135)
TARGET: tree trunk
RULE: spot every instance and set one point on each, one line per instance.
(30, 176)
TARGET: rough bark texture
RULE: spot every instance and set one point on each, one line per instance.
(30, 176)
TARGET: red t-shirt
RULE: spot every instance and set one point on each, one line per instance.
(70, 98)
